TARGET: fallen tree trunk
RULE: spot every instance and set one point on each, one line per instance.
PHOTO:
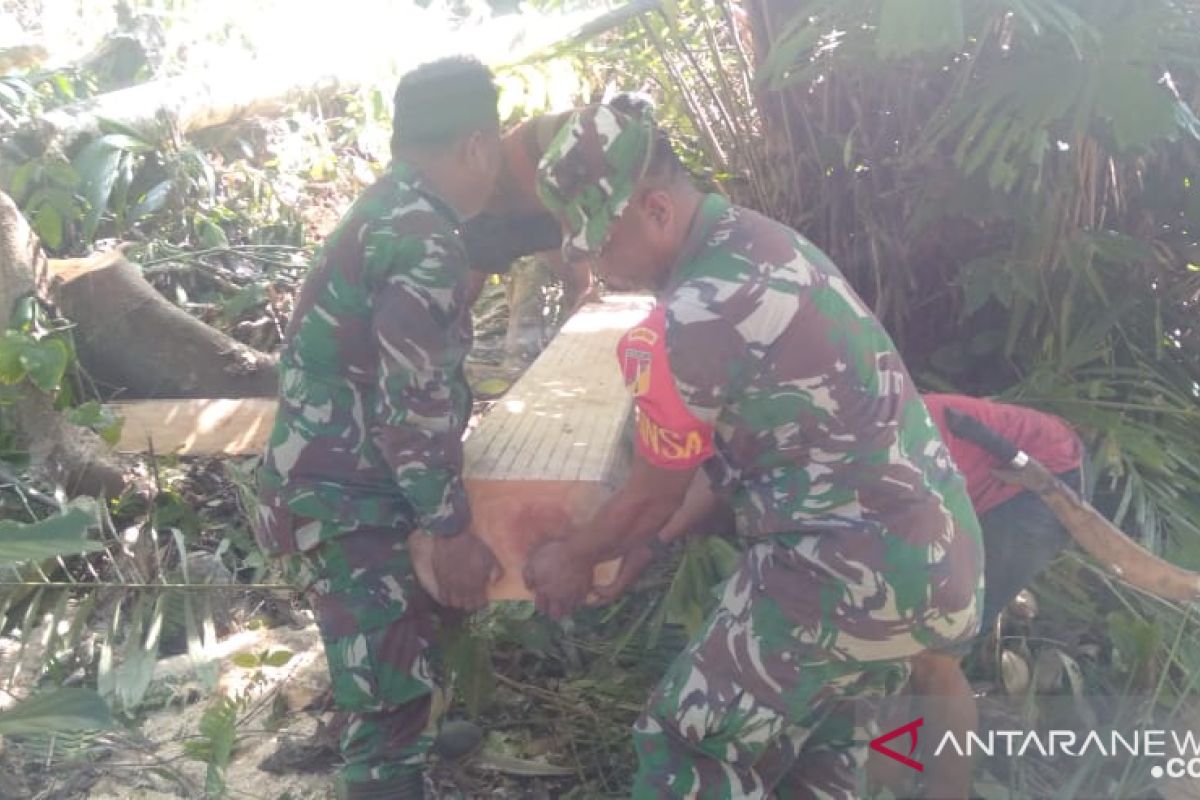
(130, 337)
(189, 103)
(194, 102)
(72, 457)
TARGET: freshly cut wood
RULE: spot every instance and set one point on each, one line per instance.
(549, 452)
(130, 337)
(228, 427)
(542, 459)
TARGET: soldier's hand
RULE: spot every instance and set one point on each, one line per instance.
(632, 564)
(455, 570)
(560, 580)
(464, 567)
(420, 550)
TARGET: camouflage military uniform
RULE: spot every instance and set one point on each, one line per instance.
(366, 447)
(861, 547)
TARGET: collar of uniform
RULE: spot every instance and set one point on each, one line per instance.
(404, 172)
(711, 208)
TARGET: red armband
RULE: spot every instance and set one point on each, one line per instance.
(668, 434)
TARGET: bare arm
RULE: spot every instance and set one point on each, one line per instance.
(649, 498)
(698, 505)
(560, 571)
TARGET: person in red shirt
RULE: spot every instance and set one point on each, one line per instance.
(1021, 536)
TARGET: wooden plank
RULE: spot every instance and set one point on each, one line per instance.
(231, 427)
(566, 414)
(550, 451)
(542, 459)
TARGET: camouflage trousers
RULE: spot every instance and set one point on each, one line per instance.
(378, 627)
(775, 695)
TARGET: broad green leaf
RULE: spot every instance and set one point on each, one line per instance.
(12, 344)
(490, 388)
(98, 164)
(22, 179)
(88, 415)
(62, 173)
(909, 27)
(153, 200)
(724, 556)
(60, 198)
(706, 562)
(48, 223)
(64, 86)
(218, 726)
(58, 711)
(108, 126)
(99, 419)
(243, 300)
(45, 361)
(790, 49)
(1139, 109)
(122, 141)
(211, 235)
(277, 658)
(246, 660)
(59, 535)
(468, 656)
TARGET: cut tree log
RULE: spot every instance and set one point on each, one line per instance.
(190, 103)
(130, 337)
(541, 459)
(73, 457)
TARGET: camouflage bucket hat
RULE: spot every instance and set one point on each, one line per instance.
(588, 172)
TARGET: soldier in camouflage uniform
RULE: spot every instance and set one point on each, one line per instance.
(762, 366)
(364, 460)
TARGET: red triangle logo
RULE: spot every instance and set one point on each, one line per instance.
(879, 744)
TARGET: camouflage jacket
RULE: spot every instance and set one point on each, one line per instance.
(789, 391)
(373, 402)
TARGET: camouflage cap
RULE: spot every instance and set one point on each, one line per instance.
(587, 174)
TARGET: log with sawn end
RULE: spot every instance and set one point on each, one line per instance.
(542, 459)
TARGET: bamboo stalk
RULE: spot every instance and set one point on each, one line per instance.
(745, 111)
(699, 119)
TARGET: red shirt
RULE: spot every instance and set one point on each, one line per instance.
(1044, 437)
